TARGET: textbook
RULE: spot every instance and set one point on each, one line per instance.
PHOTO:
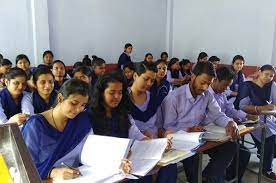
(102, 158)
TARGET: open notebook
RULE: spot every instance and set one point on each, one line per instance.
(102, 156)
(184, 145)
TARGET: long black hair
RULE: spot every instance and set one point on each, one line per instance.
(97, 108)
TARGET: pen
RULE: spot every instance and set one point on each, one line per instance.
(64, 164)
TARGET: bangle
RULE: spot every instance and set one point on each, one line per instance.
(256, 110)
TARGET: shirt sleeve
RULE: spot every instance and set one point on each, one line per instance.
(134, 132)
(231, 111)
(169, 113)
(214, 114)
(27, 104)
(273, 93)
(169, 77)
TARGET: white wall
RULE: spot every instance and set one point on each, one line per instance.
(224, 28)
(274, 48)
(102, 27)
(16, 29)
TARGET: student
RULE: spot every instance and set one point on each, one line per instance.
(23, 62)
(202, 57)
(83, 73)
(98, 69)
(87, 61)
(237, 65)
(164, 56)
(256, 96)
(185, 109)
(11, 97)
(215, 61)
(125, 56)
(5, 67)
(46, 134)
(59, 72)
(161, 87)
(174, 75)
(224, 78)
(48, 57)
(185, 67)
(148, 58)
(44, 97)
(143, 108)
(129, 70)
(76, 65)
(109, 110)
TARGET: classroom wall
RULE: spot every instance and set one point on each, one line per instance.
(102, 27)
(225, 28)
(16, 29)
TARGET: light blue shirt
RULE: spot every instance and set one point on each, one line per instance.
(226, 106)
(180, 110)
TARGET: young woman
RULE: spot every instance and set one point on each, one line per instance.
(125, 56)
(202, 57)
(185, 68)
(11, 97)
(87, 61)
(23, 62)
(148, 58)
(59, 72)
(98, 69)
(215, 61)
(237, 65)
(164, 56)
(5, 67)
(109, 111)
(109, 108)
(174, 75)
(48, 57)
(83, 73)
(57, 135)
(44, 97)
(143, 109)
(161, 86)
(256, 96)
(129, 70)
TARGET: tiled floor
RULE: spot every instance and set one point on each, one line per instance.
(250, 174)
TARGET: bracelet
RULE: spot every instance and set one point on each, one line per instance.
(256, 110)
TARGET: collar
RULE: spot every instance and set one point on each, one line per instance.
(189, 94)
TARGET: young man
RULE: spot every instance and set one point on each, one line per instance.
(186, 109)
(222, 81)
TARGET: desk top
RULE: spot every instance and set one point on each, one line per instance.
(209, 145)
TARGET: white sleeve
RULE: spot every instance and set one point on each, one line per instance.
(27, 104)
(169, 77)
(134, 132)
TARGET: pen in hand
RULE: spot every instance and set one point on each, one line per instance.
(67, 166)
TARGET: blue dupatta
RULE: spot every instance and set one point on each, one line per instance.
(258, 96)
(37, 131)
(8, 104)
(57, 86)
(144, 116)
(161, 91)
(39, 103)
(238, 81)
